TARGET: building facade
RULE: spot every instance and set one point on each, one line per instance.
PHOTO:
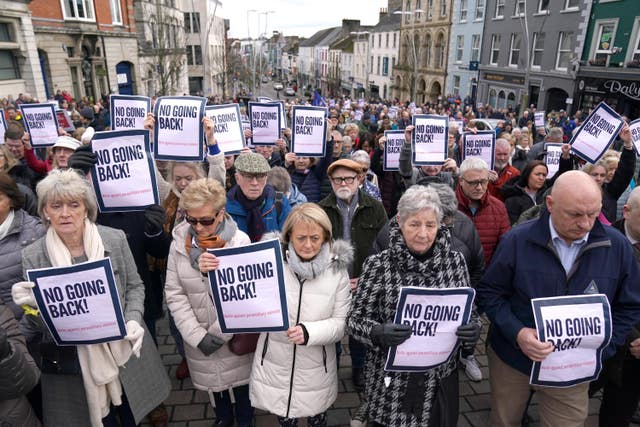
(384, 46)
(610, 62)
(537, 66)
(422, 64)
(467, 22)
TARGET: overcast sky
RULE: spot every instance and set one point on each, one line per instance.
(297, 17)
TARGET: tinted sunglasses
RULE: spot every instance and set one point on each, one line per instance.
(205, 222)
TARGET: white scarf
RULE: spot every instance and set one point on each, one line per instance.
(98, 362)
(6, 225)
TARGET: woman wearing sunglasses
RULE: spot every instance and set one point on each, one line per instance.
(213, 367)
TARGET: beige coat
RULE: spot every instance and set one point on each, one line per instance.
(189, 299)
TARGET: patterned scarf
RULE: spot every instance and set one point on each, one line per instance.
(255, 222)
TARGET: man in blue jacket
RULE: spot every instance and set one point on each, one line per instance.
(564, 252)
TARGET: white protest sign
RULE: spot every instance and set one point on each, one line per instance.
(265, 122)
(248, 288)
(124, 178)
(361, 102)
(346, 104)
(481, 144)
(228, 131)
(79, 304)
(64, 120)
(596, 133)
(552, 158)
(41, 123)
(429, 139)
(392, 148)
(128, 112)
(3, 126)
(309, 131)
(358, 115)
(634, 127)
(434, 316)
(579, 327)
(393, 112)
(179, 131)
(263, 99)
(539, 119)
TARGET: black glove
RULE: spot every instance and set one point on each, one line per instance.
(390, 334)
(468, 335)
(5, 347)
(154, 217)
(210, 344)
(83, 159)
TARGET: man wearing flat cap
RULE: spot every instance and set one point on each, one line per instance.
(255, 206)
(356, 217)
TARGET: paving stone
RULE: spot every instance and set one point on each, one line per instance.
(338, 417)
(462, 422)
(480, 401)
(188, 412)
(201, 423)
(179, 397)
(477, 418)
(481, 386)
(347, 400)
(463, 406)
(200, 396)
(171, 359)
(266, 421)
(465, 389)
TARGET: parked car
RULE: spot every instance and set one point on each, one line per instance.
(278, 86)
(265, 79)
(289, 91)
(488, 124)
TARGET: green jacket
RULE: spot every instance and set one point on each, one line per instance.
(368, 219)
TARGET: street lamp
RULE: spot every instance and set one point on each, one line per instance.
(252, 61)
(266, 14)
(413, 45)
(366, 54)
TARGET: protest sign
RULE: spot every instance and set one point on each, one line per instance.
(539, 119)
(357, 115)
(481, 144)
(309, 131)
(124, 178)
(128, 112)
(552, 158)
(346, 104)
(579, 327)
(41, 123)
(634, 127)
(393, 112)
(79, 304)
(228, 131)
(395, 141)
(3, 126)
(64, 120)
(265, 122)
(248, 288)
(179, 131)
(434, 316)
(429, 139)
(596, 133)
(263, 99)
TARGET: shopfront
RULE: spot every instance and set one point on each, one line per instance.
(620, 92)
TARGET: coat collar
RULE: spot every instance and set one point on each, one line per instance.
(541, 235)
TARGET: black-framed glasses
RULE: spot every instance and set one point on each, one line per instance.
(476, 183)
(338, 180)
(252, 176)
(205, 222)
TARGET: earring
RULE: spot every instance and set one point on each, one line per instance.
(48, 218)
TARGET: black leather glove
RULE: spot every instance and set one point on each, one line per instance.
(210, 344)
(468, 335)
(154, 216)
(390, 334)
(5, 347)
(83, 159)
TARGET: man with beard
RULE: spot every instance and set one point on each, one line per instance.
(357, 218)
(502, 170)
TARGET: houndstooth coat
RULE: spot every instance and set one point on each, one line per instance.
(375, 303)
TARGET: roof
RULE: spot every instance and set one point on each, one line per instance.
(314, 39)
(345, 44)
(388, 22)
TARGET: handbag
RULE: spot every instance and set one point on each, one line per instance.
(243, 343)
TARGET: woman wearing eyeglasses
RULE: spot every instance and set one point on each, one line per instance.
(213, 367)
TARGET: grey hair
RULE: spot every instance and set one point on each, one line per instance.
(361, 157)
(473, 163)
(65, 185)
(503, 142)
(448, 200)
(416, 199)
(347, 139)
(279, 179)
(556, 133)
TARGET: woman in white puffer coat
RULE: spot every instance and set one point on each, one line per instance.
(213, 367)
(294, 372)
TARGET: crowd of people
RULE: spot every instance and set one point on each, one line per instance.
(352, 235)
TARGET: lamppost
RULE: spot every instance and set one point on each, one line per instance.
(266, 14)
(414, 78)
(252, 61)
(366, 55)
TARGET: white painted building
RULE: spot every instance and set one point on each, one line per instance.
(384, 49)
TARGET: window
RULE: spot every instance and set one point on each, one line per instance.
(635, 49)
(418, 10)
(538, 48)
(440, 45)
(456, 85)
(520, 9)
(427, 51)
(429, 9)
(8, 66)
(371, 64)
(543, 6)
(194, 55)
(502, 99)
(475, 47)
(385, 66)
(499, 9)
(459, 48)
(443, 7)
(463, 10)
(565, 42)
(571, 4)
(479, 10)
(378, 68)
(492, 98)
(379, 40)
(387, 40)
(495, 49)
(154, 33)
(78, 9)
(116, 12)
(514, 55)
(395, 36)
(192, 22)
(605, 36)
(511, 100)
(393, 63)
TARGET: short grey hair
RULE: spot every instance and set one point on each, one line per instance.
(503, 142)
(416, 199)
(361, 157)
(448, 199)
(473, 163)
(279, 178)
(66, 184)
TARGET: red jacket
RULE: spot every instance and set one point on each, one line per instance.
(495, 188)
(491, 220)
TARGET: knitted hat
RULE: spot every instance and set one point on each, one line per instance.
(87, 113)
(253, 163)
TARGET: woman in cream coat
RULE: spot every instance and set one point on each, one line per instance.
(213, 367)
(294, 372)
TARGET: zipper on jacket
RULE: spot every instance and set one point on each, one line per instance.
(295, 347)
(264, 349)
(324, 359)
